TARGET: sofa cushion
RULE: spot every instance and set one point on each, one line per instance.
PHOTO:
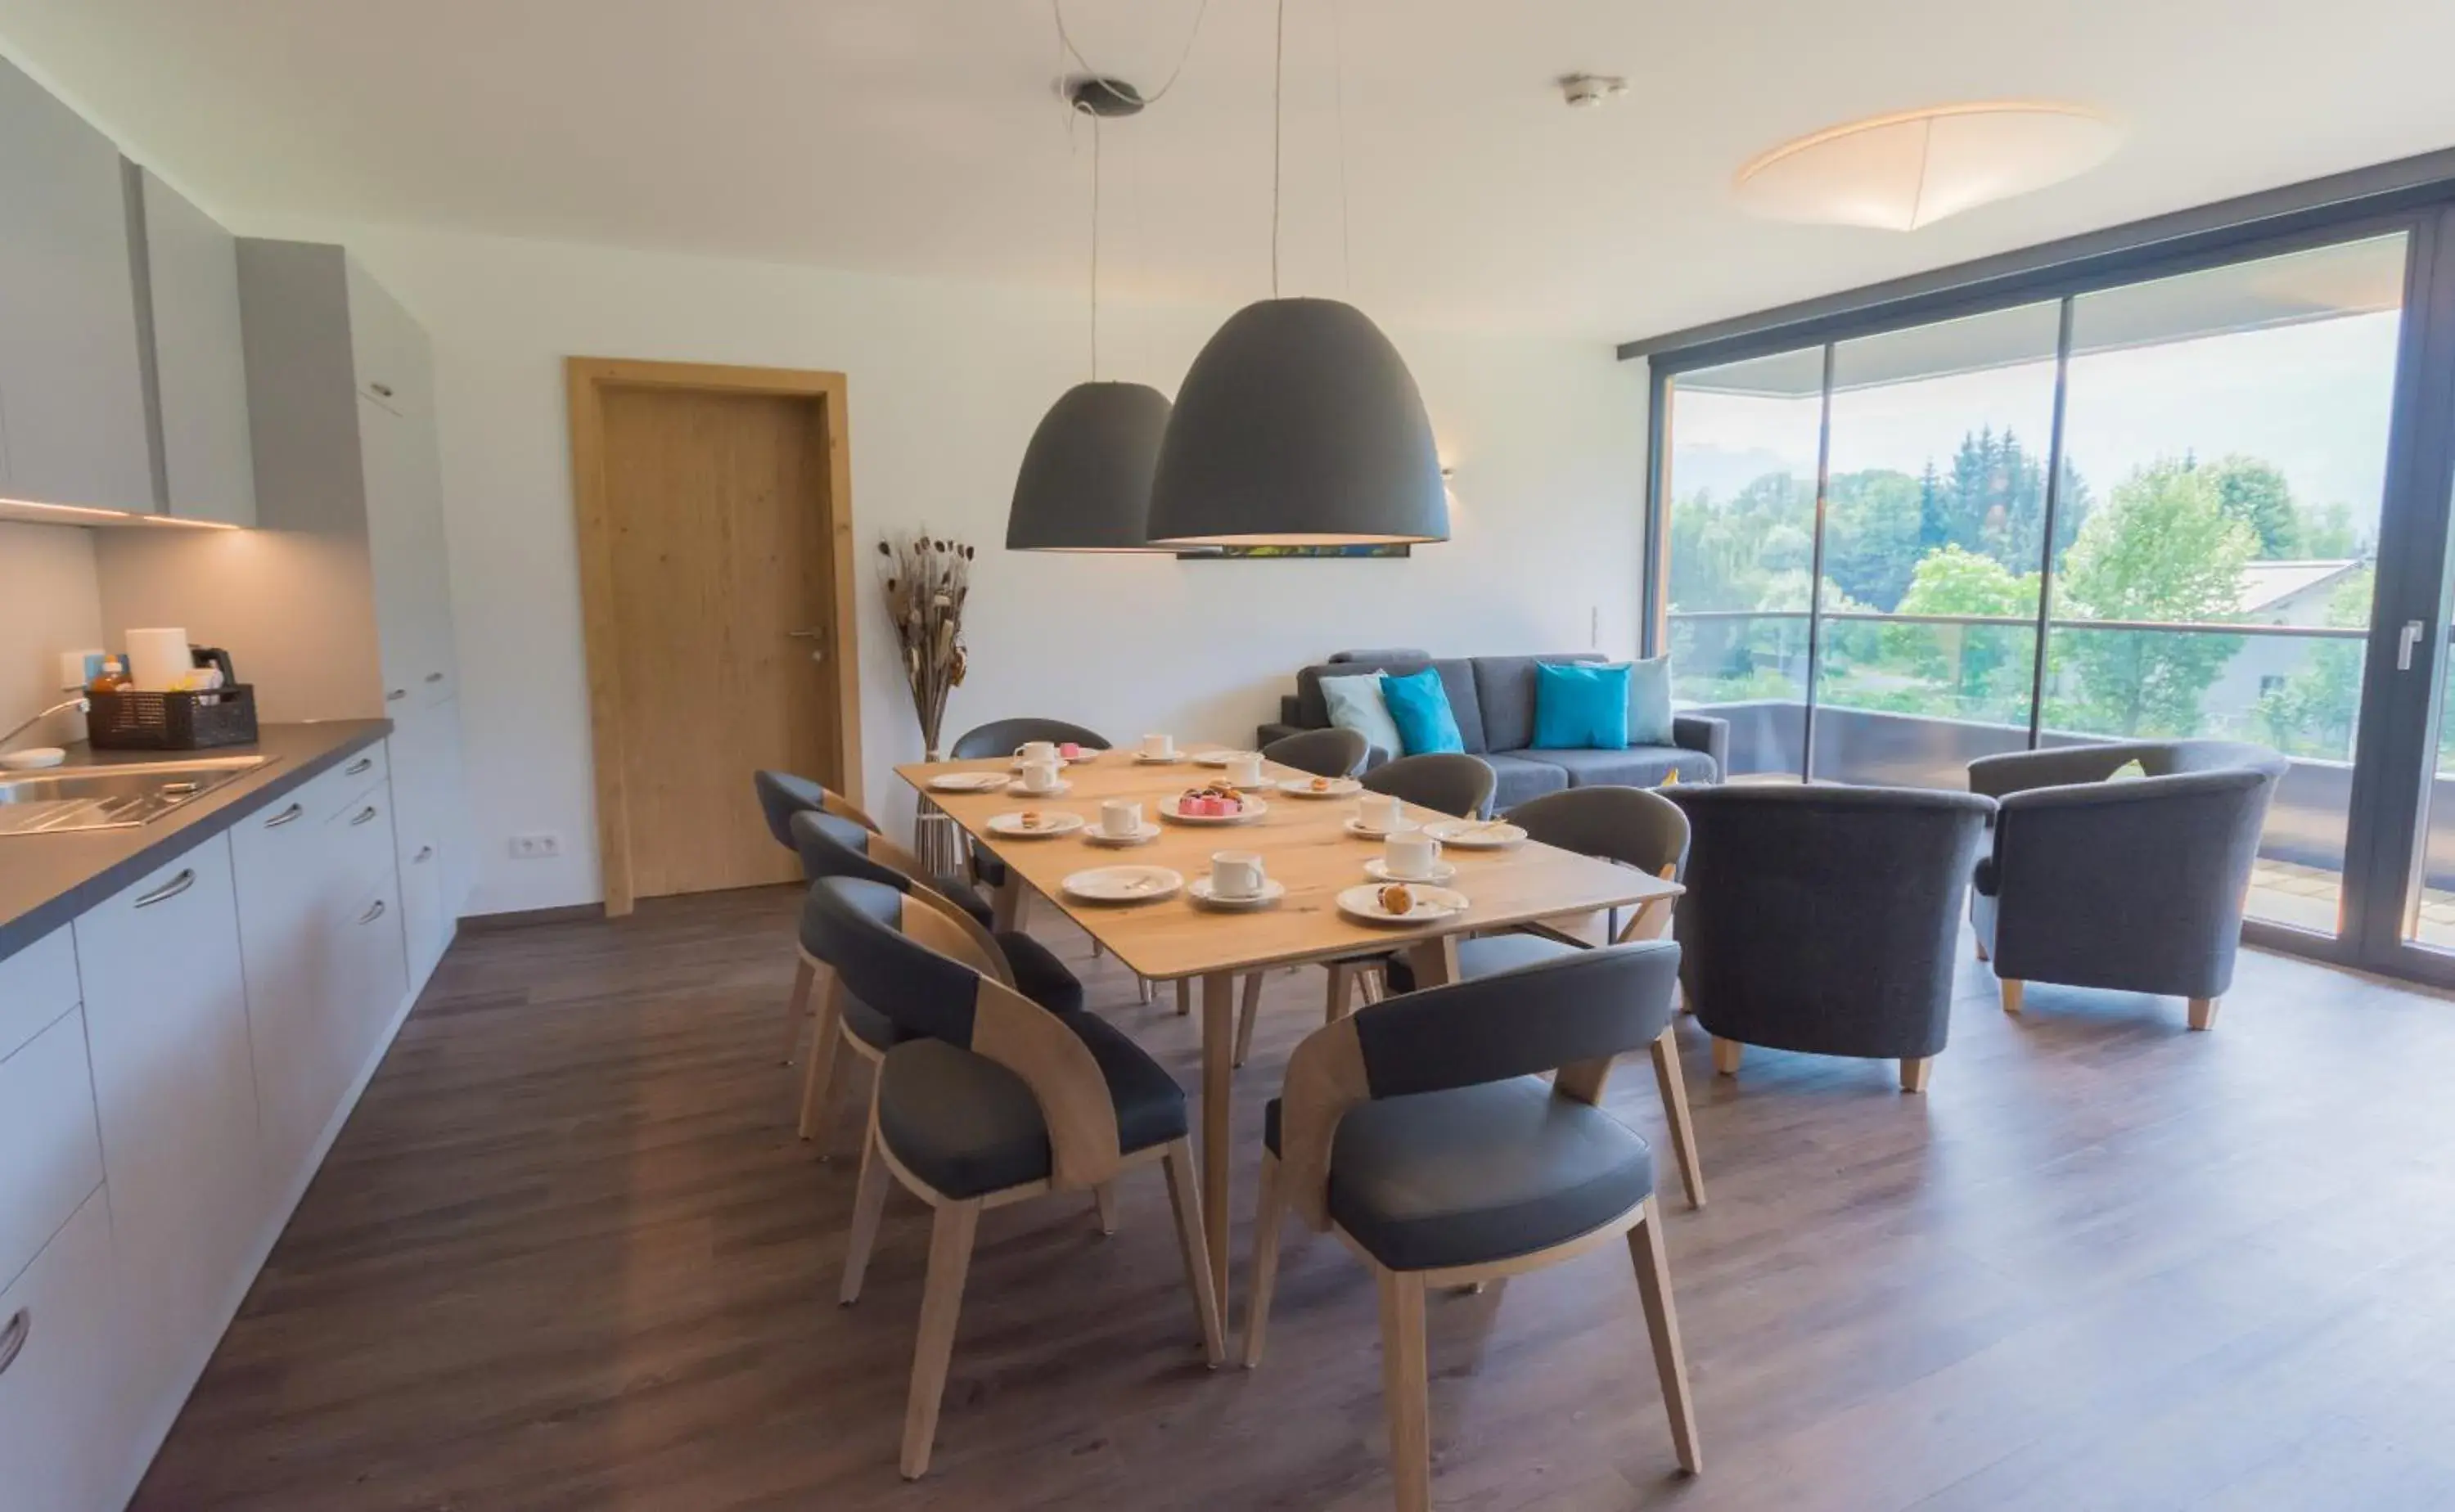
(1649, 703)
(1504, 689)
(1420, 707)
(1355, 703)
(1517, 777)
(1457, 680)
(1640, 766)
(1582, 707)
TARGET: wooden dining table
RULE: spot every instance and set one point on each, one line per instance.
(1304, 843)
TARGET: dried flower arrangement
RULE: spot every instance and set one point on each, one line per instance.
(928, 581)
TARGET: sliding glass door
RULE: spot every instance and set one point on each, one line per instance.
(2199, 502)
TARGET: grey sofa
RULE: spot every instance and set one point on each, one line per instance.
(2135, 885)
(1494, 700)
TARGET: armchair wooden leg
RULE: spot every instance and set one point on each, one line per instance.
(1185, 1196)
(1914, 1073)
(1674, 1108)
(2011, 994)
(1103, 1201)
(1184, 996)
(1407, 1387)
(1662, 1322)
(1247, 1011)
(1725, 1056)
(2204, 1013)
(868, 1204)
(796, 1008)
(942, 1302)
(1266, 1260)
(818, 1078)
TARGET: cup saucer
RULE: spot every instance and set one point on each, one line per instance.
(1169, 760)
(1201, 892)
(1373, 832)
(1142, 836)
(1017, 790)
(1376, 867)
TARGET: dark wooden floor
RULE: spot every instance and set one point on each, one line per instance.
(569, 1255)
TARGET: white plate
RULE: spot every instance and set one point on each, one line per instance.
(1357, 826)
(1273, 889)
(1476, 835)
(1254, 809)
(967, 781)
(1433, 904)
(1100, 836)
(1061, 788)
(1218, 759)
(1123, 884)
(1011, 826)
(1142, 760)
(1441, 871)
(1302, 788)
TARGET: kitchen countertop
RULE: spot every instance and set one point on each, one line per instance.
(48, 879)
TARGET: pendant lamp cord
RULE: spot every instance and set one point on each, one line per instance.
(1338, 103)
(1095, 248)
(1278, 113)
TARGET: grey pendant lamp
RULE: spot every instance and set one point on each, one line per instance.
(1297, 425)
(1085, 483)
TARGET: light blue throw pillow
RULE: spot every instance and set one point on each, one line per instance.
(1580, 706)
(1649, 703)
(1420, 708)
(1355, 704)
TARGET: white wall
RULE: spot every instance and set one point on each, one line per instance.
(49, 602)
(946, 382)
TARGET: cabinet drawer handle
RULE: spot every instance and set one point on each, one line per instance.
(397, 695)
(382, 391)
(425, 853)
(187, 878)
(12, 1338)
(288, 815)
(435, 677)
(373, 914)
(363, 815)
(362, 764)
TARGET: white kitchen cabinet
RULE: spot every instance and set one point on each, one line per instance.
(167, 1020)
(65, 1432)
(196, 361)
(431, 845)
(51, 1153)
(72, 424)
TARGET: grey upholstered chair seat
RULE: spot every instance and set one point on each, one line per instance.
(868, 1025)
(1642, 766)
(966, 1125)
(1478, 1174)
(1518, 776)
(1481, 958)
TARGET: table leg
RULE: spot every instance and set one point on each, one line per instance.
(1007, 906)
(1436, 961)
(1218, 1080)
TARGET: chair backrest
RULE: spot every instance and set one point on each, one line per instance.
(1331, 753)
(1825, 918)
(1446, 782)
(906, 960)
(834, 847)
(2094, 761)
(1633, 826)
(1003, 736)
(1574, 1012)
(781, 794)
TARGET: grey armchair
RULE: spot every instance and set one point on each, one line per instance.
(1823, 918)
(2133, 885)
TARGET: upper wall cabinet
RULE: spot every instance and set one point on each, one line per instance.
(72, 390)
(187, 297)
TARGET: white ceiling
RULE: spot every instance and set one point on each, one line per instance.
(922, 136)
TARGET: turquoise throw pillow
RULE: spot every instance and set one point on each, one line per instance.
(1580, 706)
(1420, 707)
(1649, 703)
(1355, 704)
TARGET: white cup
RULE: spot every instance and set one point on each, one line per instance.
(1121, 819)
(1040, 776)
(1409, 855)
(1381, 811)
(1245, 768)
(1236, 874)
(1159, 747)
(1032, 752)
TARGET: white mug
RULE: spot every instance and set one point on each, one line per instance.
(1159, 747)
(1236, 874)
(1040, 776)
(1121, 819)
(1245, 768)
(1381, 811)
(1034, 751)
(1410, 855)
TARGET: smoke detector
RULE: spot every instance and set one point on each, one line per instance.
(1584, 90)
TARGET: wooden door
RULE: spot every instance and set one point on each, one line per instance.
(717, 638)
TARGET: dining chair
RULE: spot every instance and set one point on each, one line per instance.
(1638, 829)
(1334, 752)
(781, 794)
(832, 847)
(1420, 1130)
(1002, 737)
(992, 1100)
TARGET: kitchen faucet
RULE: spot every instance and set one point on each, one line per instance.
(78, 704)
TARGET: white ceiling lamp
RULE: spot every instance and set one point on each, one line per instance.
(1903, 171)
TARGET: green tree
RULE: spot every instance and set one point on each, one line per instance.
(1973, 661)
(2160, 549)
(2328, 533)
(1872, 524)
(2256, 494)
(2314, 713)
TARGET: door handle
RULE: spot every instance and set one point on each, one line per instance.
(12, 1337)
(362, 764)
(396, 695)
(288, 815)
(2404, 643)
(373, 914)
(423, 851)
(187, 878)
(363, 815)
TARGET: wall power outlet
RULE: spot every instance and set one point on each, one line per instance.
(536, 847)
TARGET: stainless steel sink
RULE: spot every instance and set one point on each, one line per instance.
(112, 797)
